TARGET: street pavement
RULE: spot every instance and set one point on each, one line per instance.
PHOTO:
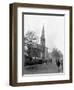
(41, 68)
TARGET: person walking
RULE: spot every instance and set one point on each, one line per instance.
(58, 64)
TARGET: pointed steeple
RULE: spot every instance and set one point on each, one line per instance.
(43, 43)
(43, 33)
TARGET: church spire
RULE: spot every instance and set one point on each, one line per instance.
(43, 33)
(43, 43)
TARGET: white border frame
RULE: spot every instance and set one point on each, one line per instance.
(40, 77)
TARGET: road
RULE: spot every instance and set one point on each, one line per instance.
(41, 68)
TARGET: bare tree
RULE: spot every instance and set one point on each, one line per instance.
(57, 53)
(30, 39)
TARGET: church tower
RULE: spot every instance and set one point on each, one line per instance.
(43, 43)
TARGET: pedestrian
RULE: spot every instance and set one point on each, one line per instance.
(58, 64)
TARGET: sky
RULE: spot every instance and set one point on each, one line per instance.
(53, 26)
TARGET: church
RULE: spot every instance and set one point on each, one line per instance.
(41, 48)
(40, 51)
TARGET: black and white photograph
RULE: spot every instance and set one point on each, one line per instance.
(43, 43)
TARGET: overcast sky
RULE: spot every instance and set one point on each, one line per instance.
(53, 26)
